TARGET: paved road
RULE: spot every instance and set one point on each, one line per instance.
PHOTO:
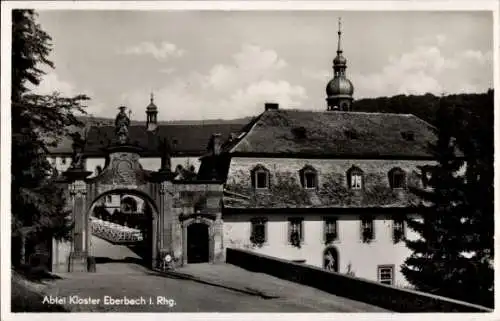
(194, 288)
(220, 294)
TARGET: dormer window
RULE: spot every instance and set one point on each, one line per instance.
(397, 178)
(355, 178)
(308, 177)
(260, 177)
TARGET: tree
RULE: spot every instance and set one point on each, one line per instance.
(38, 122)
(453, 255)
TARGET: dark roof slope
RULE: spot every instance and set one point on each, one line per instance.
(183, 139)
(337, 134)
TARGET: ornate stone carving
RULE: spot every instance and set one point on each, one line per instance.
(78, 187)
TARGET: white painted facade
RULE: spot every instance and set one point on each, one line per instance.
(364, 258)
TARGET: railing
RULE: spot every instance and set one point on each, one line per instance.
(115, 233)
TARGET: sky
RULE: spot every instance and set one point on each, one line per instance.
(227, 64)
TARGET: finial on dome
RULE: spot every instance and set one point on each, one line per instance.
(339, 46)
(152, 98)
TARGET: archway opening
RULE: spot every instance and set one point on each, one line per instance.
(331, 259)
(197, 243)
(121, 229)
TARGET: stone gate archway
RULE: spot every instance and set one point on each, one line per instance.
(137, 232)
(175, 205)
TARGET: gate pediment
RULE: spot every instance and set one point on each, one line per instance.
(123, 171)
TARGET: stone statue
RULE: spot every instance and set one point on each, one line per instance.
(165, 155)
(78, 146)
(122, 122)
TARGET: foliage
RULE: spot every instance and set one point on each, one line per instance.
(295, 239)
(367, 235)
(330, 237)
(257, 239)
(350, 271)
(38, 122)
(454, 255)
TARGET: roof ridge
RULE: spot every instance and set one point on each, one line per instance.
(252, 126)
(347, 112)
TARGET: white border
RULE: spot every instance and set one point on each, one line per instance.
(5, 130)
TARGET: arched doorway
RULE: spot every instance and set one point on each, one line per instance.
(119, 232)
(331, 259)
(197, 243)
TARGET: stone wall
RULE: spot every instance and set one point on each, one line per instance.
(192, 203)
(332, 190)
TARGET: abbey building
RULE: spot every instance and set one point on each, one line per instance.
(329, 189)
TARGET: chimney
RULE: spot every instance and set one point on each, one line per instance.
(215, 144)
(271, 106)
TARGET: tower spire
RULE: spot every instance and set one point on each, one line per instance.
(339, 44)
(339, 90)
(152, 98)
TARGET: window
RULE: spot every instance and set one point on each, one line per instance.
(308, 177)
(260, 177)
(426, 174)
(63, 161)
(385, 274)
(355, 178)
(109, 198)
(397, 178)
(261, 180)
(398, 230)
(295, 232)
(258, 233)
(367, 234)
(330, 230)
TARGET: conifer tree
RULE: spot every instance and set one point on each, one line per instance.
(38, 122)
(448, 259)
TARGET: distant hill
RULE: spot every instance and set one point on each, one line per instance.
(110, 122)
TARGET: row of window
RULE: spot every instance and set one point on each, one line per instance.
(258, 233)
(309, 177)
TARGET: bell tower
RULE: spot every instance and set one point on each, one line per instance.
(151, 115)
(339, 90)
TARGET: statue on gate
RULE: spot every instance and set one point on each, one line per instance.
(122, 122)
(165, 155)
(77, 153)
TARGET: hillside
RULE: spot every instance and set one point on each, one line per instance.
(422, 106)
(108, 121)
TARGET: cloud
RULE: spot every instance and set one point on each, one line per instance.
(251, 63)
(51, 83)
(427, 69)
(162, 51)
(227, 90)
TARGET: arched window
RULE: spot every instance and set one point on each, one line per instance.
(397, 178)
(308, 177)
(355, 178)
(260, 177)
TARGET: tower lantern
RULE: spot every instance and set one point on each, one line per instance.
(151, 115)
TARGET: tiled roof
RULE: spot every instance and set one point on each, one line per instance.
(183, 139)
(339, 134)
